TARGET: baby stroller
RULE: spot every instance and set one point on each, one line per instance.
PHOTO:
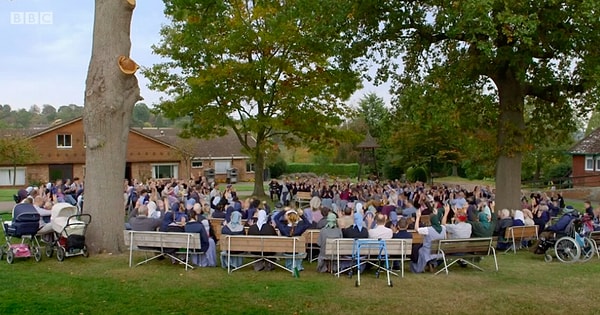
(572, 246)
(24, 225)
(69, 228)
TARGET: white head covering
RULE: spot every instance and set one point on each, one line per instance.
(152, 212)
(359, 208)
(262, 218)
(519, 216)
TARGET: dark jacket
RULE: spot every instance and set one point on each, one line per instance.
(197, 227)
(266, 229)
(353, 232)
(561, 225)
(285, 230)
(402, 234)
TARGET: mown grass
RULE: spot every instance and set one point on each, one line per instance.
(6, 194)
(104, 284)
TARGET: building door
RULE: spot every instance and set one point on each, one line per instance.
(60, 171)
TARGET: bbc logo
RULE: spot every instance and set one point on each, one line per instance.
(32, 18)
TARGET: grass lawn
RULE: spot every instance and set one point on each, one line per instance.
(6, 194)
(104, 284)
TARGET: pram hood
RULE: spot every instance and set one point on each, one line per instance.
(63, 209)
(60, 214)
(25, 212)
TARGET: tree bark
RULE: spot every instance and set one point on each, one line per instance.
(511, 125)
(110, 96)
(259, 168)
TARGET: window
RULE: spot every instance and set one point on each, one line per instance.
(8, 176)
(63, 141)
(249, 167)
(221, 167)
(164, 170)
(589, 163)
(196, 163)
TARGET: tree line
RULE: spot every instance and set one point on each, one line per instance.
(46, 115)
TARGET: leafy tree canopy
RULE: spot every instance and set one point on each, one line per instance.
(261, 68)
(543, 53)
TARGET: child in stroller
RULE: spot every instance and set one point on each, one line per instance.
(70, 227)
(24, 225)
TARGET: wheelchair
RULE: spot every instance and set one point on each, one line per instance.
(569, 247)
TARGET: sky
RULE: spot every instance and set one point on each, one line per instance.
(46, 48)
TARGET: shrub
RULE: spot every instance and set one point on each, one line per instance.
(416, 173)
(278, 168)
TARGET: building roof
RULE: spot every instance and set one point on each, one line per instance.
(587, 145)
(368, 143)
(227, 146)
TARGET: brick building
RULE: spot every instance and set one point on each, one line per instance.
(151, 153)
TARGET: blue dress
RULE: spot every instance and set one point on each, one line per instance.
(425, 254)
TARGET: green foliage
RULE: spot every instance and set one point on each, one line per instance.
(416, 173)
(266, 70)
(391, 171)
(278, 168)
(593, 123)
(16, 151)
(536, 61)
(348, 170)
(558, 170)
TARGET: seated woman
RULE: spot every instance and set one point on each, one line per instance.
(290, 223)
(262, 227)
(209, 258)
(430, 234)
(518, 218)
(330, 231)
(358, 229)
(233, 227)
(194, 226)
(505, 222)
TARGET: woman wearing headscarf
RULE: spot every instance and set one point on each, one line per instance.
(357, 230)
(518, 218)
(193, 226)
(209, 258)
(233, 227)
(430, 234)
(262, 227)
(330, 231)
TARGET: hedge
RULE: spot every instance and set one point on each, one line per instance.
(349, 170)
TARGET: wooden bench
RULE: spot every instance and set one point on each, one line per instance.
(518, 234)
(263, 248)
(311, 238)
(416, 237)
(458, 249)
(595, 237)
(340, 249)
(303, 197)
(217, 226)
(158, 242)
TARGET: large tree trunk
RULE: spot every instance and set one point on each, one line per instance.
(109, 99)
(511, 125)
(259, 168)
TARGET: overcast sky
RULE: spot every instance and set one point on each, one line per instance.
(46, 46)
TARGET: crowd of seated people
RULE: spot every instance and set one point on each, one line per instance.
(46, 196)
(342, 209)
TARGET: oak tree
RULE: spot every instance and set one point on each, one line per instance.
(542, 51)
(110, 93)
(263, 69)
